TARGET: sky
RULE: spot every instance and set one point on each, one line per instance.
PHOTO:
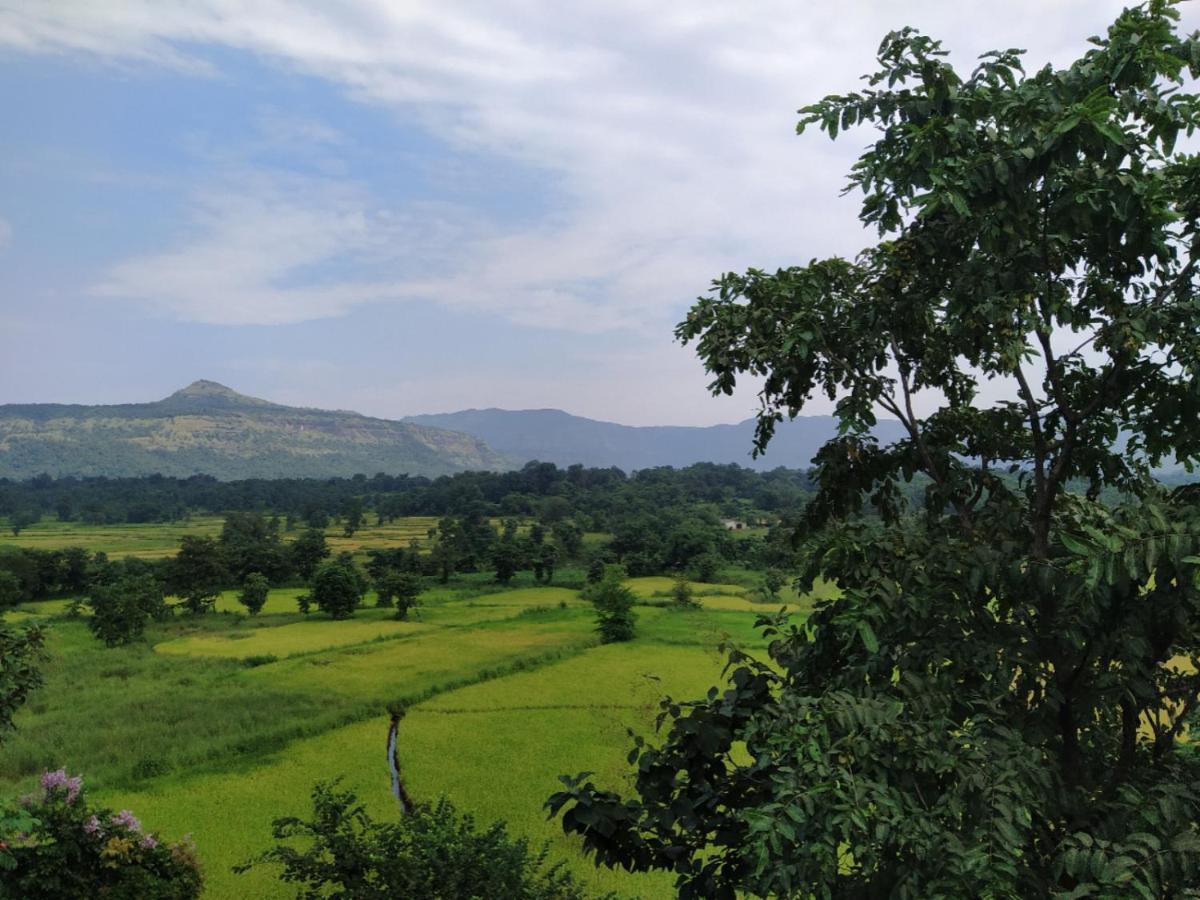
(411, 207)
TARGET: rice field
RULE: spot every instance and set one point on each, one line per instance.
(217, 725)
(158, 540)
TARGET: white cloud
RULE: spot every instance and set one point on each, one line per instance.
(667, 128)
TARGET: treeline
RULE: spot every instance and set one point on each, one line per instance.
(592, 496)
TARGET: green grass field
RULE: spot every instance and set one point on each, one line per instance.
(159, 540)
(217, 725)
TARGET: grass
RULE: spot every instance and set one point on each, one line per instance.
(154, 540)
(157, 540)
(219, 724)
(289, 640)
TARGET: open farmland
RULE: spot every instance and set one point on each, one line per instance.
(153, 541)
(217, 725)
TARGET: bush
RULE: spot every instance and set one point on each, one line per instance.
(682, 594)
(614, 606)
(399, 589)
(54, 845)
(337, 589)
(120, 608)
(254, 593)
(434, 851)
(708, 566)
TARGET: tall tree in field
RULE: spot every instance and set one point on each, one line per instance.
(995, 703)
(197, 572)
(121, 607)
(21, 650)
(337, 589)
(307, 552)
(255, 590)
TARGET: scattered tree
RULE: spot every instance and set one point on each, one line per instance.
(22, 519)
(254, 593)
(506, 557)
(544, 560)
(308, 551)
(352, 516)
(614, 605)
(121, 608)
(337, 589)
(196, 573)
(400, 589)
(682, 594)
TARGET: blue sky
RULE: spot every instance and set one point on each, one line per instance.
(419, 207)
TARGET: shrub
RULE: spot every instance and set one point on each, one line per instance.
(120, 608)
(254, 593)
(682, 594)
(707, 565)
(55, 845)
(614, 606)
(400, 589)
(337, 589)
(434, 851)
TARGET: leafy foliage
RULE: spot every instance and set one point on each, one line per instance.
(434, 851)
(682, 594)
(400, 589)
(254, 593)
(197, 572)
(614, 605)
(56, 845)
(20, 652)
(994, 704)
(337, 588)
(120, 608)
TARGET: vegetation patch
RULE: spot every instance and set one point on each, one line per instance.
(289, 640)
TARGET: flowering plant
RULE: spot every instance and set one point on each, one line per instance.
(54, 844)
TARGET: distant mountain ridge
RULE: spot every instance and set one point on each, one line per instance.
(207, 428)
(551, 435)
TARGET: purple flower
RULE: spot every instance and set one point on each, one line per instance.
(128, 819)
(149, 842)
(91, 826)
(59, 779)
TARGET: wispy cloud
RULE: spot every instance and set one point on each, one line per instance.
(667, 128)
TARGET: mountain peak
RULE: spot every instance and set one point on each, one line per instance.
(205, 388)
(204, 391)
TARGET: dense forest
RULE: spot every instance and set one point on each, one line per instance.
(653, 521)
(597, 494)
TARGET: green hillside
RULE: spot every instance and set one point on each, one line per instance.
(206, 428)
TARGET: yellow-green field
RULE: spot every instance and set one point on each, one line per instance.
(160, 540)
(215, 726)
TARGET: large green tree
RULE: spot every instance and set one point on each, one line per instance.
(995, 702)
(337, 588)
(21, 650)
(196, 573)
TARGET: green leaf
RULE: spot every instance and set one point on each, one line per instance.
(867, 633)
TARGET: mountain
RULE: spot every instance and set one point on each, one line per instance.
(551, 435)
(206, 428)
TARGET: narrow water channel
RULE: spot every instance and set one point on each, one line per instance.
(398, 790)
